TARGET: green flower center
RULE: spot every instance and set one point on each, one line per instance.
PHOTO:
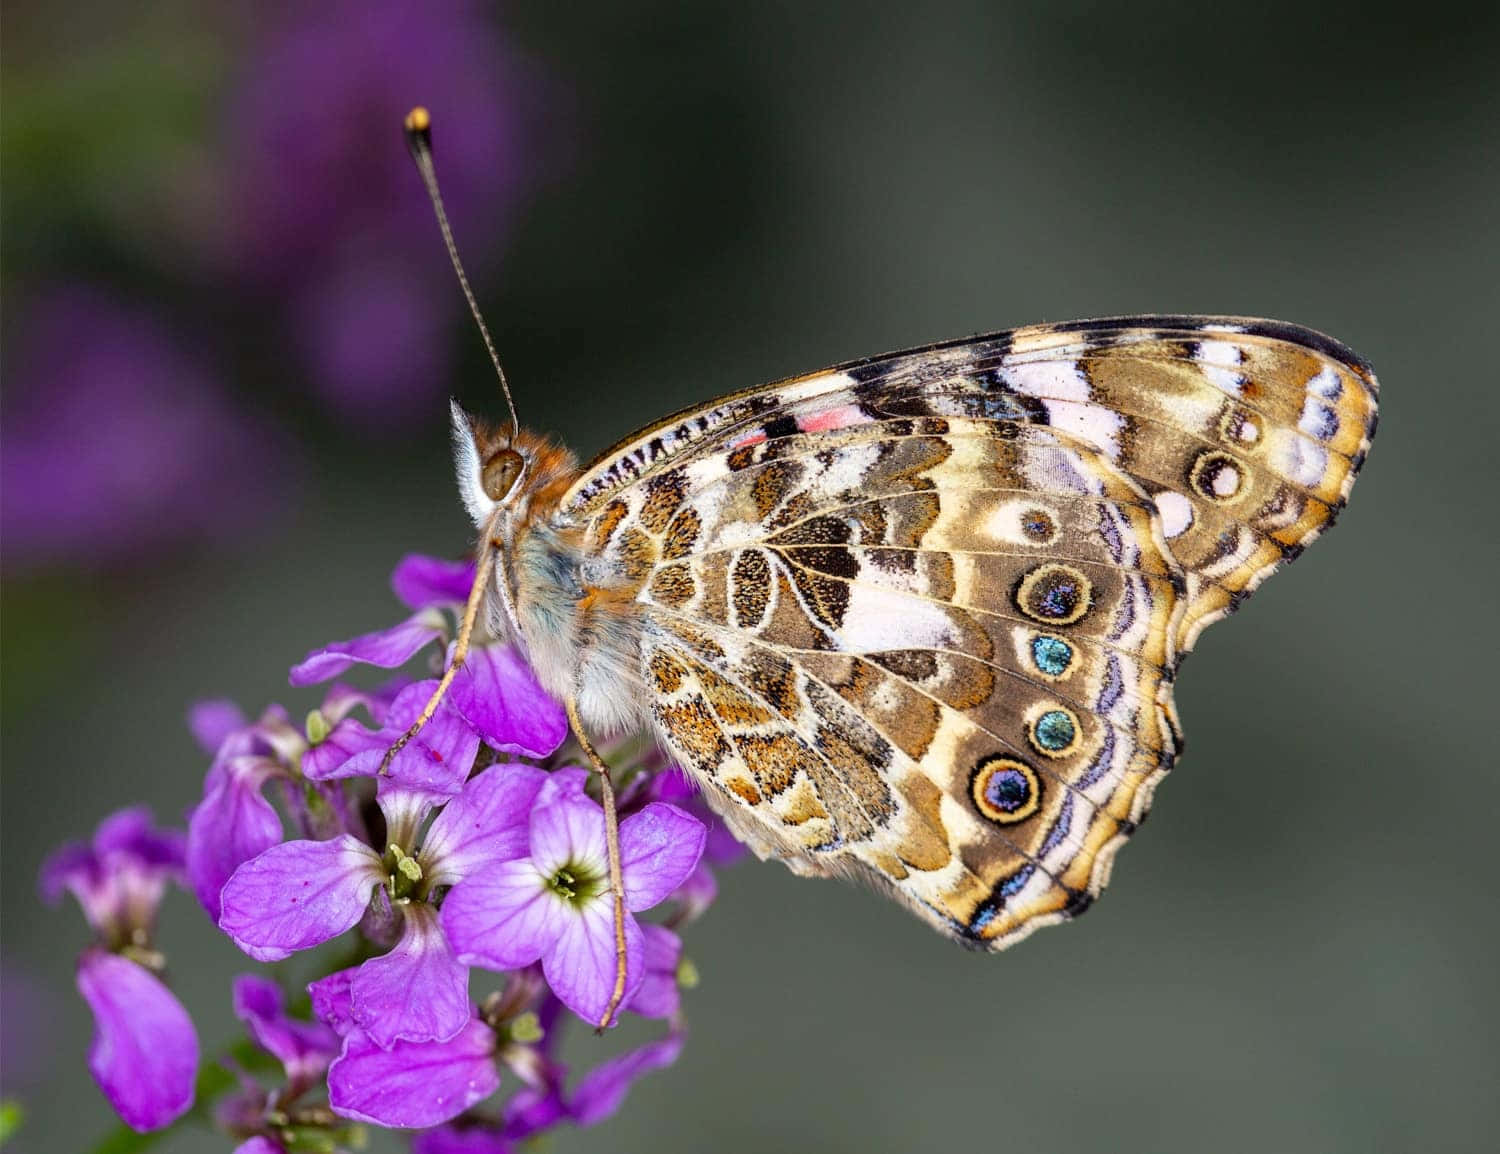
(404, 872)
(576, 884)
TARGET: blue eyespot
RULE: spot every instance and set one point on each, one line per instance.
(1054, 730)
(1007, 790)
(1052, 655)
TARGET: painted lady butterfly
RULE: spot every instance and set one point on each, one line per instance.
(915, 620)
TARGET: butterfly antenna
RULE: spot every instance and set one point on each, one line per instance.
(419, 141)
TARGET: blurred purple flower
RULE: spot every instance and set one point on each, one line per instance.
(145, 1051)
(602, 1090)
(117, 442)
(210, 722)
(554, 905)
(120, 877)
(451, 1139)
(260, 1144)
(330, 216)
(659, 996)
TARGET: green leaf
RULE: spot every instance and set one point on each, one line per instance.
(11, 1117)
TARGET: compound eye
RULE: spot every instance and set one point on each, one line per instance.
(500, 474)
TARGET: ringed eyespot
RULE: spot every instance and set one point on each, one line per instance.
(1055, 733)
(1055, 594)
(1038, 526)
(1051, 655)
(1216, 476)
(1005, 790)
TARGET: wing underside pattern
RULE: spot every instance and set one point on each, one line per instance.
(916, 619)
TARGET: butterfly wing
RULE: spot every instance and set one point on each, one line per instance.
(916, 619)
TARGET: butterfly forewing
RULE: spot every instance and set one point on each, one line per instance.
(915, 619)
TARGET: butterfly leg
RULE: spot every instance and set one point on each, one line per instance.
(460, 652)
(612, 846)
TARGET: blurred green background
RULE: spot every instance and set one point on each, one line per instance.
(212, 208)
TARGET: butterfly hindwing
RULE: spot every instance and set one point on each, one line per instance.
(916, 619)
(932, 653)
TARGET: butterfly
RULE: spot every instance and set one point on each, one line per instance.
(915, 620)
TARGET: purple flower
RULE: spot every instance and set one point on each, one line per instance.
(301, 893)
(234, 821)
(437, 760)
(414, 1084)
(555, 904)
(419, 581)
(158, 429)
(407, 1083)
(387, 648)
(336, 225)
(232, 824)
(303, 1048)
(145, 1051)
(260, 1144)
(119, 879)
(210, 722)
(495, 692)
(600, 1093)
(722, 848)
(659, 996)
(463, 1140)
(597, 1095)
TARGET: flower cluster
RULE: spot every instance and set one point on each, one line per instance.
(267, 183)
(479, 848)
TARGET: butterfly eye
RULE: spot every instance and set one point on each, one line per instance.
(500, 473)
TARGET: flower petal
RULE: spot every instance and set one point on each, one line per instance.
(387, 648)
(260, 1144)
(132, 833)
(603, 1090)
(659, 996)
(303, 1048)
(497, 693)
(476, 1139)
(437, 760)
(418, 991)
(503, 917)
(413, 1084)
(145, 1051)
(568, 830)
(421, 582)
(326, 760)
(298, 894)
(695, 895)
(659, 846)
(332, 1003)
(489, 822)
(232, 824)
(581, 966)
(212, 721)
(71, 867)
